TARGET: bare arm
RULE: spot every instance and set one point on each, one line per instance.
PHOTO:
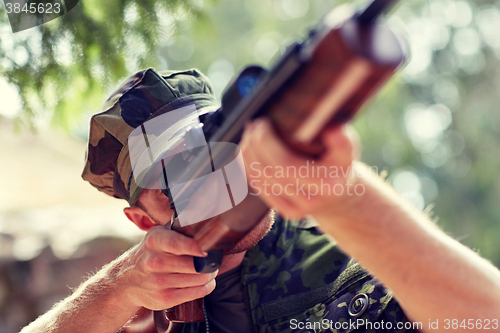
(432, 275)
(156, 274)
(96, 306)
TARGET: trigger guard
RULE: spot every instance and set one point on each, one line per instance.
(208, 264)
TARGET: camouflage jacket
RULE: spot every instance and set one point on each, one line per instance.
(297, 280)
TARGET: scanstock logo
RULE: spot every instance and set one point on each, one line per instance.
(164, 147)
(26, 14)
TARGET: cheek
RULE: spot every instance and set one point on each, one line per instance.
(161, 216)
(157, 207)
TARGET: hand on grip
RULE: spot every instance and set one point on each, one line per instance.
(159, 272)
(295, 184)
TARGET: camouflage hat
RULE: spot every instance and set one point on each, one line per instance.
(145, 95)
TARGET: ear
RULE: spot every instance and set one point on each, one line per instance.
(139, 217)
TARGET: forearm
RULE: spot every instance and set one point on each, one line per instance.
(98, 305)
(156, 274)
(432, 275)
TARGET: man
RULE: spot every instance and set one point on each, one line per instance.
(295, 277)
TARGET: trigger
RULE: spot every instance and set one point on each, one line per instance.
(210, 263)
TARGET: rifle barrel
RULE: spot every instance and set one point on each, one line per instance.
(374, 10)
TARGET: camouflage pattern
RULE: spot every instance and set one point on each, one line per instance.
(294, 273)
(297, 273)
(143, 96)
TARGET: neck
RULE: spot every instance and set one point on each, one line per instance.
(231, 261)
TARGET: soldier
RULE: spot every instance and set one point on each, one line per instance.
(287, 274)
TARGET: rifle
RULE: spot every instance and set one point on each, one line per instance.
(319, 83)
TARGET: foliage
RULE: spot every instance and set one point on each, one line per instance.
(435, 127)
(64, 68)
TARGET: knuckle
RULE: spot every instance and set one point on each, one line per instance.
(181, 263)
(165, 296)
(153, 262)
(159, 280)
(150, 239)
(175, 246)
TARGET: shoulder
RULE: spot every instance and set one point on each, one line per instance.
(297, 275)
(300, 249)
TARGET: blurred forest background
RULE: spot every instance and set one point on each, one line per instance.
(435, 127)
